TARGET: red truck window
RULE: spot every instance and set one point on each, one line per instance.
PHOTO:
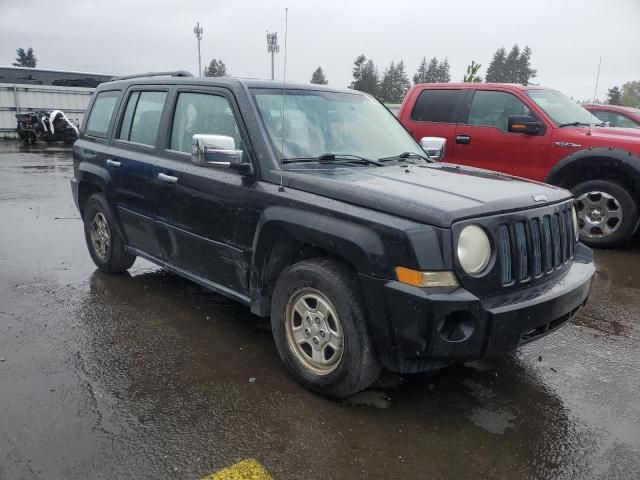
(435, 105)
(492, 109)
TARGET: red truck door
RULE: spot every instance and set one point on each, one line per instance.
(482, 138)
(431, 113)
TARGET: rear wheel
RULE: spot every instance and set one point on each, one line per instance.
(607, 213)
(106, 247)
(320, 328)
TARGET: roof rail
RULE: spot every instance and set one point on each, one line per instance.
(175, 73)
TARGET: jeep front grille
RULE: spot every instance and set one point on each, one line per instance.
(535, 247)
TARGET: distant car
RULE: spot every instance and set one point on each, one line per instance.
(616, 115)
(539, 134)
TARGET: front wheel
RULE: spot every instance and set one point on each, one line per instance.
(320, 328)
(106, 247)
(607, 213)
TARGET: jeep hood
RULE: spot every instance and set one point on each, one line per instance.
(437, 194)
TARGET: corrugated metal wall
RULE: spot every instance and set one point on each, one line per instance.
(16, 98)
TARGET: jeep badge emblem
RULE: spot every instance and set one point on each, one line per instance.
(539, 198)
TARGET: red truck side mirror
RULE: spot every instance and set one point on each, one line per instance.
(524, 124)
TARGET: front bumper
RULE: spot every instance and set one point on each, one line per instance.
(417, 329)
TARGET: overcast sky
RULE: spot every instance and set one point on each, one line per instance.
(125, 36)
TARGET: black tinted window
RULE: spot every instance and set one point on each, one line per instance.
(142, 117)
(435, 105)
(101, 113)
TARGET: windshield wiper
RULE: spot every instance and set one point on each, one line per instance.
(404, 156)
(332, 158)
(573, 124)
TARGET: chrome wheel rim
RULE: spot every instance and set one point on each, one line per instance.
(100, 236)
(599, 214)
(314, 331)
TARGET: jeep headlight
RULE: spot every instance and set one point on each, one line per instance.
(474, 249)
(576, 225)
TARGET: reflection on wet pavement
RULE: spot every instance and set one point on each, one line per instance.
(147, 375)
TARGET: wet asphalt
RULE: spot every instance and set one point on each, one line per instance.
(147, 375)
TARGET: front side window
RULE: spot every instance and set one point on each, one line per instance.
(320, 122)
(435, 105)
(101, 113)
(561, 108)
(493, 109)
(201, 113)
(142, 117)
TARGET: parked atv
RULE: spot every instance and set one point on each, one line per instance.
(50, 126)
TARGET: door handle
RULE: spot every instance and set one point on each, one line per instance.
(113, 163)
(463, 139)
(167, 178)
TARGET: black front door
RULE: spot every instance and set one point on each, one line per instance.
(202, 220)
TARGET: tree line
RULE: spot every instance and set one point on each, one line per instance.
(392, 83)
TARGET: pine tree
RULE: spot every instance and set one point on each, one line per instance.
(385, 91)
(614, 95)
(495, 71)
(25, 59)
(432, 71)
(443, 71)
(358, 66)
(512, 65)
(472, 73)
(421, 74)
(402, 83)
(370, 78)
(318, 77)
(524, 72)
(216, 68)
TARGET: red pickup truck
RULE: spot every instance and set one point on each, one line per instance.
(536, 133)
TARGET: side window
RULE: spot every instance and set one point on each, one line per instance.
(101, 113)
(142, 117)
(435, 105)
(493, 109)
(620, 120)
(201, 113)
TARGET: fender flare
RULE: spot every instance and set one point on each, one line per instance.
(607, 159)
(362, 246)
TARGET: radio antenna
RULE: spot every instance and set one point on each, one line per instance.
(595, 92)
(284, 90)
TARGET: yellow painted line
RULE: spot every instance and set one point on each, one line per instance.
(244, 470)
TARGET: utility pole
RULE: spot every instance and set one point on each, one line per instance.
(198, 31)
(272, 48)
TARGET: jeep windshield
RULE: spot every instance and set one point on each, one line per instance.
(562, 110)
(332, 129)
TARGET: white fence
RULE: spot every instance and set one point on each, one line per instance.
(20, 98)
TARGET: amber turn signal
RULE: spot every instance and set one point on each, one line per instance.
(426, 279)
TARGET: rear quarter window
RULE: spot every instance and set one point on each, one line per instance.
(436, 105)
(101, 113)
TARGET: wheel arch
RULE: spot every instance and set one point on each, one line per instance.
(286, 235)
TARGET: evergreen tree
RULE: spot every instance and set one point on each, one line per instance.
(524, 72)
(512, 65)
(25, 58)
(394, 84)
(421, 74)
(614, 95)
(631, 94)
(472, 73)
(495, 71)
(433, 71)
(402, 83)
(358, 66)
(216, 68)
(443, 72)
(318, 77)
(370, 80)
(386, 84)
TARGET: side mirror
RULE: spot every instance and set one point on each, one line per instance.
(217, 151)
(524, 124)
(434, 147)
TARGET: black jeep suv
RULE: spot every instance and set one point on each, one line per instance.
(315, 207)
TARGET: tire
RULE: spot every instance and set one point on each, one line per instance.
(107, 251)
(607, 213)
(336, 286)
